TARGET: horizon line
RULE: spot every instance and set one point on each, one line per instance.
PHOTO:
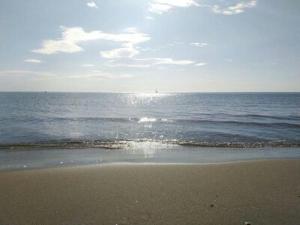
(163, 92)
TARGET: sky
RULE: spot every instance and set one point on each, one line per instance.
(144, 45)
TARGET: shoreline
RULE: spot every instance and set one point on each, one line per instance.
(259, 192)
(143, 164)
(59, 158)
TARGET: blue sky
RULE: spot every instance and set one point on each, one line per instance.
(143, 45)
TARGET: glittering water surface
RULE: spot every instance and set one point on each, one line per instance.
(121, 121)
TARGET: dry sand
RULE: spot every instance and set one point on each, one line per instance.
(262, 192)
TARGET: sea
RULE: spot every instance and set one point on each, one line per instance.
(131, 127)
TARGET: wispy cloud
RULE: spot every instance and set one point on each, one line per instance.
(198, 44)
(36, 61)
(201, 64)
(166, 61)
(127, 52)
(237, 8)
(92, 4)
(151, 62)
(222, 7)
(92, 74)
(73, 37)
(128, 41)
(154, 62)
(162, 6)
(25, 73)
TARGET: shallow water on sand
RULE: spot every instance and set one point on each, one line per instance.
(45, 158)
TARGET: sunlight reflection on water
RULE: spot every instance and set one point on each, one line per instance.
(145, 98)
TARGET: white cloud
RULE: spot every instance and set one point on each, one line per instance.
(149, 62)
(238, 8)
(197, 44)
(69, 42)
(128, 43)
(120, 53)
(159, 8)
(201, 64)
(74, 36)
(169, 61)
(92, 4)
(36, 61)
(162, 6)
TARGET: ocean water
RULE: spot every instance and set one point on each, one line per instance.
(125, 121)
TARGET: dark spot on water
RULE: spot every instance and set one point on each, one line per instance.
(212, 205)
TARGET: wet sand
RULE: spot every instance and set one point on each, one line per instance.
(257, 192)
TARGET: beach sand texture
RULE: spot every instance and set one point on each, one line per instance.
(257, 192)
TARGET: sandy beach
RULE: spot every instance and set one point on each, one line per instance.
(256, 192)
